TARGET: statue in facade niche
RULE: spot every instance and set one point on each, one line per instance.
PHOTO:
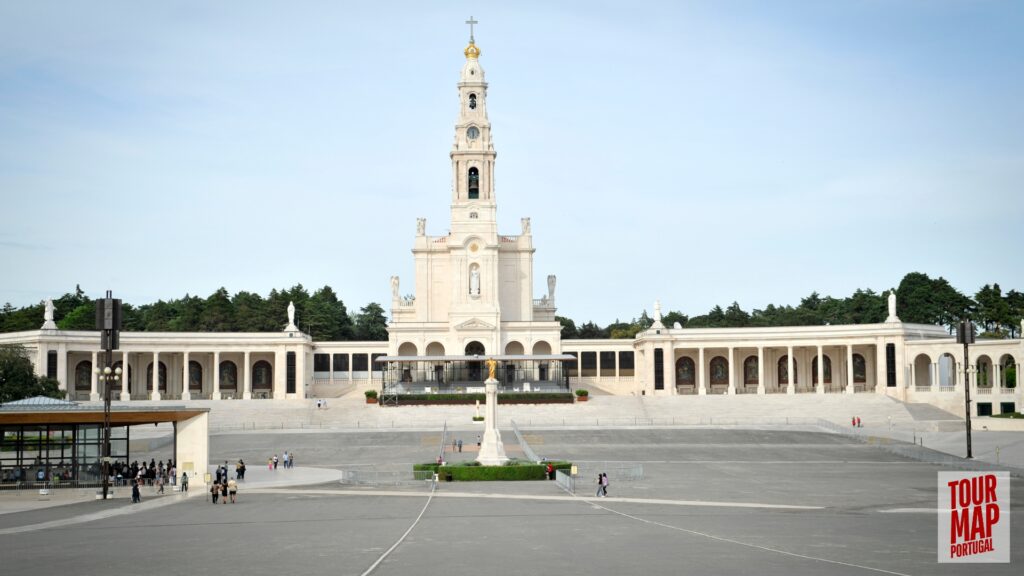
(421, 226)
(394, 287)
(474, 282)
(526, 225)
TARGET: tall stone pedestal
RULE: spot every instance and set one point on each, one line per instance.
(492, 451)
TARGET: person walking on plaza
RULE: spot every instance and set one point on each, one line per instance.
(224, 490)
(604, 484)
(184, 481)
(275, 461)
(460, 444)
(600, 484)
(174, 476)
(214, 492)
(455, 444)
(270, 463)
(291, 460)
(136, 495)
(286, 459)
(232, 489)
(160, 484)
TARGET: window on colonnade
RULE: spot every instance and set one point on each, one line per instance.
(588, 364)
(321, 362)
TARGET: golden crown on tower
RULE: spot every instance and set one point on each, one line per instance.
(472, 51)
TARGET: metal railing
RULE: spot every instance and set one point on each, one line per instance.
(527, 451)
(616, 471)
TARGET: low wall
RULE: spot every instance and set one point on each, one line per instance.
(997, 424)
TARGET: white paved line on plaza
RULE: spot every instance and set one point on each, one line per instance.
(433, 490)
(123, 510)
(492, 496)
(739, 543)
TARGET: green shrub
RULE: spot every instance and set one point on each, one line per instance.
(503, 398)
(472, 471)
(582, 392)
(371, 393)
(478, 418)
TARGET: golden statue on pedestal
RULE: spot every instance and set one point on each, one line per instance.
(491, 365)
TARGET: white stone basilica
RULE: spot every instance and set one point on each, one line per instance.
(474, 298)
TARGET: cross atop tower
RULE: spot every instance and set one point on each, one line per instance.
(471, 22)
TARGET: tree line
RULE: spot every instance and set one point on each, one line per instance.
(919, 299)
(320, 314)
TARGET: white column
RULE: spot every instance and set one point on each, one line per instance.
(913, 375)
(760, 370)
(277, 390)
(155, 394)
(849, 368)
(790, 388)
(62, 369)
(186, 392)
(215, 395)
(246, 383)
(732, 373)
(597, 361)
(330, 367)
(702, 390)
(125, 395)
(820, 388)
(997, 373)
(94, 394)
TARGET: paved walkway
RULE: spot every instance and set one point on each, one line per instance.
(30, 501)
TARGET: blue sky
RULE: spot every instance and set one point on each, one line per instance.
(696, 152)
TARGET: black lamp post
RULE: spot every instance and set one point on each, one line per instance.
(108, 322)
(965, 336)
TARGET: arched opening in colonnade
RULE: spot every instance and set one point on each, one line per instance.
(983, 366)
(784, 371)
(262, 379)
(1007, 371)
(473, 368)
(83, 376)
(922, 371)
(407, 349)
(947, 370)
(686, 372)
(228, 376)
(751, 371)
(195, 377)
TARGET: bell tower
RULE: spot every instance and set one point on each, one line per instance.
(474, 206)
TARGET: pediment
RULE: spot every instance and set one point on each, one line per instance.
(474, 324)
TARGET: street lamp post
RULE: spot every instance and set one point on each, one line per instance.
(109, 378)
(108, 322)
(965, 336)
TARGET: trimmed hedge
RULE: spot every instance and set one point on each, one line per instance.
(506, 398)
(473, 472)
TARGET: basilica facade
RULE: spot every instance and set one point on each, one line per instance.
(474, 298)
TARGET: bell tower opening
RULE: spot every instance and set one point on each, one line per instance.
(474, 183)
